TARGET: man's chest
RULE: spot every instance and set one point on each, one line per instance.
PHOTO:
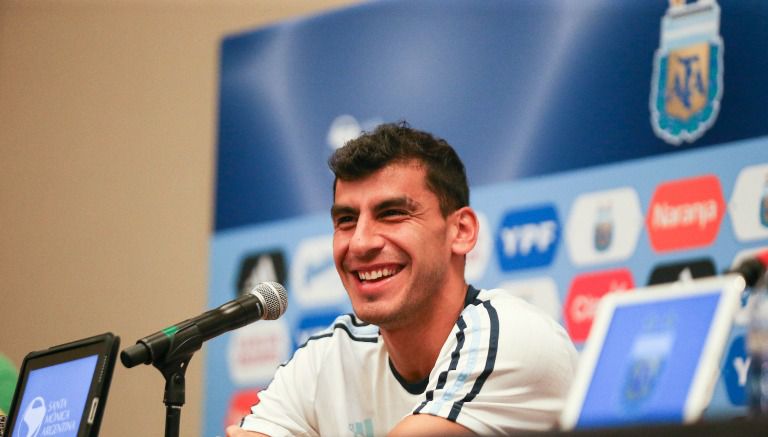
(361, 397)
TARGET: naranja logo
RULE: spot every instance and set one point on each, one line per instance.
(685, 213)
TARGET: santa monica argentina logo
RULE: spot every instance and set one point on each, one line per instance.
(687, 80)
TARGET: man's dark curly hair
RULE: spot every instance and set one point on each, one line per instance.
(398, 142)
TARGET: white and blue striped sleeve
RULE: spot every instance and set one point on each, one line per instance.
(505, 367)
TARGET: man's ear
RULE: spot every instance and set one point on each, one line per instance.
(466, 227)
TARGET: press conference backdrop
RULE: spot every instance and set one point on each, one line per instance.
(608, 144)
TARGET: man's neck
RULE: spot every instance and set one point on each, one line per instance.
(414, 348)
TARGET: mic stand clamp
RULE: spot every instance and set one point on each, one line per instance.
(173, 366)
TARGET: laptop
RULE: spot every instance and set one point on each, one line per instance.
(62, 390)
(653, 354)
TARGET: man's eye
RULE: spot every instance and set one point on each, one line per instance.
(340, 221)
(393, 213)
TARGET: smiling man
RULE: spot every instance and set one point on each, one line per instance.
(424, 352)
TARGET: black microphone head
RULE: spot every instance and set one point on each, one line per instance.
(273, 297)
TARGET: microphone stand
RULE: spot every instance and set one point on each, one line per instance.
(171, 349)
(173, 366)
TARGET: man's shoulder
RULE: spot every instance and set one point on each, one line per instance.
(345, 337)
(505, 302)
(346, 328)
(516, 316)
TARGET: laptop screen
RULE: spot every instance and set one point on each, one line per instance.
(62, 390)
(653, 355)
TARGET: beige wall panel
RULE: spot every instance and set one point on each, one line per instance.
(107, 145)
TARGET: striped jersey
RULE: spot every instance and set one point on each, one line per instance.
(505, 366)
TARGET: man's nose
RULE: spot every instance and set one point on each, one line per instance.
(366, 239)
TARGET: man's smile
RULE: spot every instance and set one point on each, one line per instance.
(372, 274)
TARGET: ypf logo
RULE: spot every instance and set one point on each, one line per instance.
(584, 295)
(685, 213)
(528, 238)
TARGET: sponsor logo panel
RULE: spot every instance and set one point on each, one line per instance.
(254, 351)
(314, 279)
(584, 295)
(735, 371)
(685, 213)
(682, 271)
(604, 226)
(263, 266)
(528, 238)
(240, 406)
(540, 292)
(748, 205)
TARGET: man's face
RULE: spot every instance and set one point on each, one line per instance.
(390, 244)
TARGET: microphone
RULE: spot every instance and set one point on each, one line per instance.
(753, 268)
(266, 301)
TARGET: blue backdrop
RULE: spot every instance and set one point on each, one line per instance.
(593, 133)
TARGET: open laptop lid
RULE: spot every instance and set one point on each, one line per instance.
(62, 390)
(653, 355)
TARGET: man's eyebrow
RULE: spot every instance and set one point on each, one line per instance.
(394, 202)
(397, 202)
(337, 210)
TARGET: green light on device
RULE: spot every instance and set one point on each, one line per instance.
(170, 331)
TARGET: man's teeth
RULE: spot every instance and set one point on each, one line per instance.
(375, 274)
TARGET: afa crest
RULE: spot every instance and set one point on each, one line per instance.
(647, 363)
(687, 80)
